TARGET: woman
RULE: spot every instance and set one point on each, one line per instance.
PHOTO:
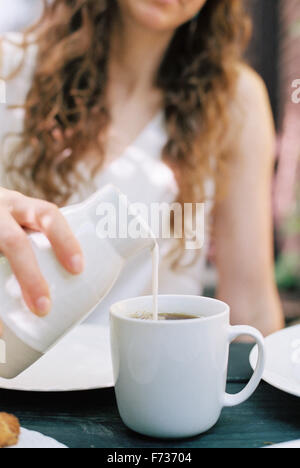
(122, 91)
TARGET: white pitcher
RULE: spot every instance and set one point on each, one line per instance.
(28, 337)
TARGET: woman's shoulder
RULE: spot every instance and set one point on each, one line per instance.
(17, 65)
(251, 89)
(16, 50)
(250, 108)
(252, 121)
(18, 53)
(10, 52)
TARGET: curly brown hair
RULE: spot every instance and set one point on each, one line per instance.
(197, 76)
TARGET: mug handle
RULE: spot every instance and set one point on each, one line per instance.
(235, 332)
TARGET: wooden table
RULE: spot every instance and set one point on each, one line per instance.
(90, 419)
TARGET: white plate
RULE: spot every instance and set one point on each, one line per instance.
(81, 361)
(287, 445)
(282, 369)
(31, 439)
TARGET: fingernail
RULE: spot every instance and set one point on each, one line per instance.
(77, 264)
(43, 305)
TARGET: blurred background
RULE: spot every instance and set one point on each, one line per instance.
(275, 53)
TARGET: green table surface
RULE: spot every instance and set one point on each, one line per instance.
(90, 419)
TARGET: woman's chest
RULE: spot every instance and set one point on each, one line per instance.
(136, 166)
(128, 123)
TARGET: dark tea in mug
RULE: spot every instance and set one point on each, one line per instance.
(165, 316)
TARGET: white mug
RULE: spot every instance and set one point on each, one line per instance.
(170, 376)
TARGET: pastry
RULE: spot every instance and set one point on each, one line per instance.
(9, 430)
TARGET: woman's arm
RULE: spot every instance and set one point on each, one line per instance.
(243, 221)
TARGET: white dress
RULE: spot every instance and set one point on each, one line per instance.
(139, 172)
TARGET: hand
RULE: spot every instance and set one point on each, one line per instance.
(18, 212)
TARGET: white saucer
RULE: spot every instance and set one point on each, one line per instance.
(81, 361)
(287, 445)
(31, 439)
(283, 360)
